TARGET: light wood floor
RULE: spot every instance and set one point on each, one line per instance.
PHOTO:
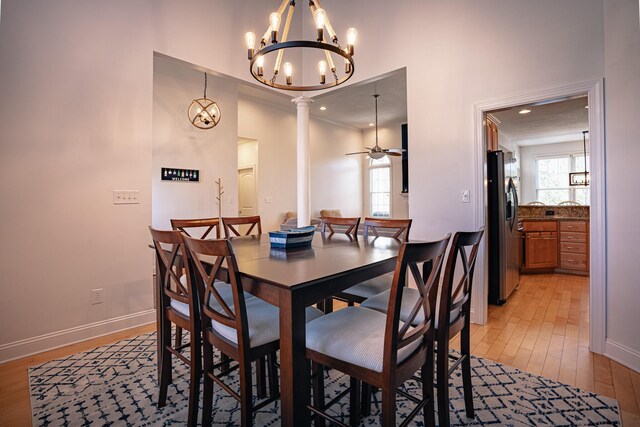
(543, 329)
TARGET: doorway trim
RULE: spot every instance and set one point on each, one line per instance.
(597, 222)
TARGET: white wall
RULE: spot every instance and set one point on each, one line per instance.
(388, 137)
(528, 156)
(179, 144)
(622, 102)
(93, 77)
(336, 182)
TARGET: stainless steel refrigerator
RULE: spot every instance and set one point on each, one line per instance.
(504, 230)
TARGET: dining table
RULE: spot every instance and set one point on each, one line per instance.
(293, 279)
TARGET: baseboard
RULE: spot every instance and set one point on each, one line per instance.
(622, 354)
(29, 346)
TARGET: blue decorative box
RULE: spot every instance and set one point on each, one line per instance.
(294, 238)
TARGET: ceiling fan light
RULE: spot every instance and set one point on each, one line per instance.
(376, 155)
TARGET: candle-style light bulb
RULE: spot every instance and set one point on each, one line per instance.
(288, 69)
(260, 65)
(250, 38)
(322, 68)
(321, 19)
(274, 21)
(352, 35)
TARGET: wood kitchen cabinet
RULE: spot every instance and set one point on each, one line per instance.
(540, 244)
(559, 245)
(574, 246)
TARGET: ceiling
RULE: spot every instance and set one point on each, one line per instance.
(351, 105)
(547, 123)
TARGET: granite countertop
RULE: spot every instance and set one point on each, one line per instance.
(553, 218)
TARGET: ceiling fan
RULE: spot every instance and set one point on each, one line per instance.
(377, 152)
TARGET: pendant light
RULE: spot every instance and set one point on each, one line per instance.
(204, 113)
(581, 178)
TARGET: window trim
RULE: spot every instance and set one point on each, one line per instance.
(572, 156)
(389, 166)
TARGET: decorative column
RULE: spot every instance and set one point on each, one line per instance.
(303, 160)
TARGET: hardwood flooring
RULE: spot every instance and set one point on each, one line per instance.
(542, 329)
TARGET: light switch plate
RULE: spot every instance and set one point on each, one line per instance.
(466, 196)
(126, 197)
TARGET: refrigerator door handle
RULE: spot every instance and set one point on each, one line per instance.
(514, 214)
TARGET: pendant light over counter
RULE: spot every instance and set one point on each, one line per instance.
(581, 178)
(204, 113)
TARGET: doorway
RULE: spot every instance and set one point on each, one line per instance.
(595, 227)
(247, 177)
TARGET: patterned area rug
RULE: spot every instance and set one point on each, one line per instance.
(116, 385)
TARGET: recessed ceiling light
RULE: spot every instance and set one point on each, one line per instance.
(371, 124)
(323, 108)
(586, 106)
(525, 111)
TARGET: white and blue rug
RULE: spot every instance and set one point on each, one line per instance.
(116, 385)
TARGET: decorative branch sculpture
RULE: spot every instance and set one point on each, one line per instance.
(219, 196)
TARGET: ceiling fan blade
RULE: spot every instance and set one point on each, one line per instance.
(392, 153)
(359, 152)
(395, 150)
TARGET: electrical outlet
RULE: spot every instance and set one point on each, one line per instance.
(466, 196)
(97, 296)
(126, 197)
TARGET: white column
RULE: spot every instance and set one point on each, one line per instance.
(303, 160)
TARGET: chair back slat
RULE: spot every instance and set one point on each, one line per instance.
(401, 227)
(411, 257)
(206, 259)
(456, 293)
(169, 249)
(230, 224)
(350, 225)
(200, 224)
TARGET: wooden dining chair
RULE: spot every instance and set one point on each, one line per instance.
(246, 330)
(201, 228)
(345, 225)
(393, 350)
(373, 227)
(454, 317)
(454, 310)
(230, 224)
(178, 304)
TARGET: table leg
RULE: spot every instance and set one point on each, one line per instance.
(294, 369)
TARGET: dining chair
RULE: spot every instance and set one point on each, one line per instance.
(203, 227)
(345, 225)
(380, 349)
(230, 224)
(178, 305)
(246, 330)
(372, 227)
(454, 310)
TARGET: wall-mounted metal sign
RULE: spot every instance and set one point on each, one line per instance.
(175, 174)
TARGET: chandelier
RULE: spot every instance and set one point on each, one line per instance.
(274, 43)
(204, 113)
(581, 178)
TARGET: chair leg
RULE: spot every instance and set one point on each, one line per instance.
(328, 306)
(246, 394)
(350, 303)
(274, 388)
(208, 384)
(465, 345)
(442, 378)
(261, 380)
(178, 336)
(317, 378)
(226, 359)
(195, 369)
(389, 407)
(354, 402)
(426, 374)
(165, 362)
(366, 400)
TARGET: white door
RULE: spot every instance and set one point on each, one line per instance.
(247, 199)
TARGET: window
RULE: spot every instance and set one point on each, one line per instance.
(552, 179)
(380, 187)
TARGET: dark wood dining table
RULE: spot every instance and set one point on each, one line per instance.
(294, 279)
